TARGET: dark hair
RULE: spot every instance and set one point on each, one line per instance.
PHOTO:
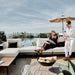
(69, 22)
(53, 31)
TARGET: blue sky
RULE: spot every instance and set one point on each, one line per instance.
(34, 15)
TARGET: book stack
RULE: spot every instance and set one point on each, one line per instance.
(1, 62)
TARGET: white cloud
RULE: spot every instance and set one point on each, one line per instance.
(33, 15)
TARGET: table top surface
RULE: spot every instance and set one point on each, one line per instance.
(7, 61)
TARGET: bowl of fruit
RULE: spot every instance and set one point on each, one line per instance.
(47, 61)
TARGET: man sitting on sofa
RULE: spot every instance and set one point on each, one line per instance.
(68, 42)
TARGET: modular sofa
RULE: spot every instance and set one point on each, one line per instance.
(13, 52)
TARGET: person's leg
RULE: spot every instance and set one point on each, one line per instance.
(66, 48)
(42, 48)
(44, 45)
(71, 47)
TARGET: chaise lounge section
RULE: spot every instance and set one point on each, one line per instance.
(10, 52)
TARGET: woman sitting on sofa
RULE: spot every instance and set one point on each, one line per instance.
(51, 43)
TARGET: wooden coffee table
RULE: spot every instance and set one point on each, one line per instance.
(7, 63)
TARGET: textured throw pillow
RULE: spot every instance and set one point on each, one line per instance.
(12, 45)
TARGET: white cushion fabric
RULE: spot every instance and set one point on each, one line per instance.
(60, 34)
(9, 52)
(41, 41)
(5, 45)
(58, 49)
(61, 39)
(29, 49)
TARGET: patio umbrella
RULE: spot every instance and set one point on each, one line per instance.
(62, 19)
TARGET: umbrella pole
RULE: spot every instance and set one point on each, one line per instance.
(62, 26)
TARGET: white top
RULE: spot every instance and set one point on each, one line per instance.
(68, 31)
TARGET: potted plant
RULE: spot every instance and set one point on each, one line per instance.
(68, 70)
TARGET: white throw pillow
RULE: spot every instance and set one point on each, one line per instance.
(41, 41)
(61, 39)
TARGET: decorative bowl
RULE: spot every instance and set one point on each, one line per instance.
(47, 64)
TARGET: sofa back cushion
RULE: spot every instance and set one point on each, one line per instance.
(61, 39)
(41, 41)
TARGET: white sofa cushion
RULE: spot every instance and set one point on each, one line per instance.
(58, 49)
(9, 52)
(61, 39)
(29, 49)
(41, 41)
(49, 51)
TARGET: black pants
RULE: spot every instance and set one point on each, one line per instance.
(48, 46)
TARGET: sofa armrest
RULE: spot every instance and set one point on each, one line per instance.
(5, 45)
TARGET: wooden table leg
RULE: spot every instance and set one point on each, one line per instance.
(7, 71)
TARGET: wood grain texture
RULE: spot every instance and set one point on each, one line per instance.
(7, 61)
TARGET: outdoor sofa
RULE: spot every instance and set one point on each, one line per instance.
(13, 52)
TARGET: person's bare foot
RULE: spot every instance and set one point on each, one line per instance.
(37, 50)
(40, 51)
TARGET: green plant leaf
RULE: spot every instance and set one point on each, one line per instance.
(64, 67)
(66, 72)
(71, 67)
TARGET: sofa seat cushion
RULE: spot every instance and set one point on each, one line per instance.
(9, 52)
(29, 49)
(54, 50)
(59, 49)
(49, 51)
